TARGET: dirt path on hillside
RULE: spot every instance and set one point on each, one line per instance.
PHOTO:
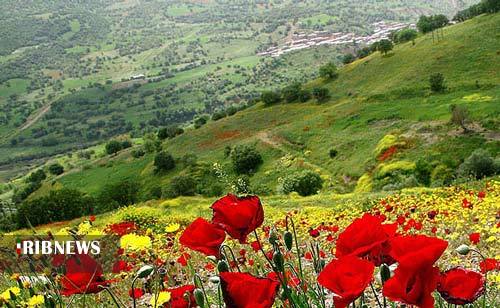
(32, 119)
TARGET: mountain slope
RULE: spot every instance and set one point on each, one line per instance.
(372, 97)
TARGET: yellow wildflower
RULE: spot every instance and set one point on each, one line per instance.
(172, 227)
(6, 294)
(163, 297)
(36, 301)
(135, 242)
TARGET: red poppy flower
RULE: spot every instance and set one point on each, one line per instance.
(255, 246)
(489, 265)
(136, 293)
(460, 286)
(83, 275)
(181, 297)
(412, 286)
(203, 236)
(481, 194)
(121, 266)
(238, 216)
(347, 278)
(475, 238)
(183, 259)
(417, 251)
(314, 233)
(242, 290)
(365, 236)
(121, 228)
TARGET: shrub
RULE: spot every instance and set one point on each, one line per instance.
(164, 162)
(329, 71)
(37, 176)
(348, 58)
(436, 82)
(364, 184)
(113, 196)
(291, 93)
(136, 153)
(305, 183)
(56, 169)
(218, 115)
(320, 94)
(227, 150)
(460, 116)
(245, 159)
(170, 132)
(479, 164)
(200, 121)
(406, 35)
(442, 175)
(402, 166)
(333, 153)
(270, 97)
(126, 144)
(423, 170)
(304, 95)
(113, 147)
(58, 205)
(384, 46)
(181, 185)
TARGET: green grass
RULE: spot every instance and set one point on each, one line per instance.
(372, 97)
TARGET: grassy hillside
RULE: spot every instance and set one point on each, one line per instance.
(373, 97)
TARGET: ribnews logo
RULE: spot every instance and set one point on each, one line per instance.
(53, 247)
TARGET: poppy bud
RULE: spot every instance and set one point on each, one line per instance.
(214, 279)
(463, 249)
(199, 297)
(385, 273)
(222, 266)
(273, 237)
(145, 271)
(279, 261)
(288, 240)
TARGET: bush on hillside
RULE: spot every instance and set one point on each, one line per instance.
(126, 144)
(333, 153)
(442, 175)
(304, 95)
(305, 183)
(329, 71)
(113, 147)
(164, 161)
(181, 185)
(478, 165)
(291, 92)
(437, 83)
(384, 46)
(321, 94)
(218, 115)
(405, 35)
(37, 176)
(270, 97)
(56, 169)
(169, 132)
(58, 205)
(348, 58)
(200, 121)
(113, 196)
(246, 159)
(136, 153)
(423, 170)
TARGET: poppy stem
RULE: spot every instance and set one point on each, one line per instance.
(113, 297)
(296, 246)
(222, 250)
(197, 281)
(375, 294)
(133, 292)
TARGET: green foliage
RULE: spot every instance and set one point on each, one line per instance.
(200, 121)
(329, 71)
(460, 116)
(113, 147)
(320, 94)
(164, 161)
(304, 95)
(169, 132)
(384, 46)
(430, 23)
(405, 35)
(291, 93)
(246, 159)
(423, 170)
(333, 153)
(219, 115)
(485, 6)
(348, 58)
(181, 185)
(137, 153)
(37, 176)
(442, 175)
(478, 165)
(56, 169)
(58, 205)
(401, 166)
(126, 144)
(437, 82)
(386, 142)
(304, 182)
(113, 196)
(270, 97)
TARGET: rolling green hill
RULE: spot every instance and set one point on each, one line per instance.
(375, 100)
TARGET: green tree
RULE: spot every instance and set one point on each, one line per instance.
(406, 35)
(56, 169)
(245, 159)
(384, 46)
(437, 82)
(305, 183)
(479, 164)
(291, 92)
(164, 161)
(329, 71)
(181, 185)
(348, 58)
(460, 116)
(270, 97)
(113, 147)
(37, 176)
(113, 196)
(321, 94)
(169, 132)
